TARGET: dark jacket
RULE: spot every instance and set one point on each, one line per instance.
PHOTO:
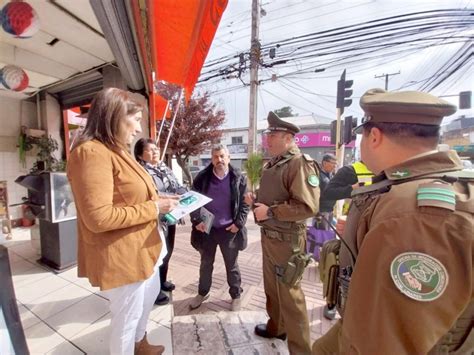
(164, 178)
(325, 205)
(340, 186)
(240, 210)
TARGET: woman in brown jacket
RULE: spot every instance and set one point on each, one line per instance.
(119, 241)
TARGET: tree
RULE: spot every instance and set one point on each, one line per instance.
(285, 111)
(196, 128)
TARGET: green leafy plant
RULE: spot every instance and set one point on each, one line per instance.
(46, 161)
(253, 168)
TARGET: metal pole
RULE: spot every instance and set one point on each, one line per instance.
(254, 60)
(157, 138)
(172, 125)
(339, 155)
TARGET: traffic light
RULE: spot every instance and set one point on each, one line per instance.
(465, 99)
(349, 124)
(334, 131)
(344, 92)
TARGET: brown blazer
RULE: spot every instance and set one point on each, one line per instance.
(118, 240)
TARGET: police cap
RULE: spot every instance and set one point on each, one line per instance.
(403, 107)
(276, 124)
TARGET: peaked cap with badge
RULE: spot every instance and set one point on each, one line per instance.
(403, 107)
(276, 124)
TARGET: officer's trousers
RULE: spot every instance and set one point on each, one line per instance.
(286, 306)
(328, 343)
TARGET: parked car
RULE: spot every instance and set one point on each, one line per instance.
(194, 170)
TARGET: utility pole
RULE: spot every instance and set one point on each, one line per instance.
(386, 78)
(254, 60)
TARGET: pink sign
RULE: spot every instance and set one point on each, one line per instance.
(319, 139)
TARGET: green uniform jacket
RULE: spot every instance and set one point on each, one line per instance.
(290, 186)
(412, 284)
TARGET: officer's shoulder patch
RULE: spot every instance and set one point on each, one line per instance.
(313, 180)
(307, 157)
(419, 276)
(399, 174)
(436, 195)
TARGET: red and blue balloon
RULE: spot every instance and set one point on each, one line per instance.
(14, 78)
(19, 19)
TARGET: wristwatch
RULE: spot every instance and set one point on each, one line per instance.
(270, 213)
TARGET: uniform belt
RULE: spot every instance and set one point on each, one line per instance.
(284, 237)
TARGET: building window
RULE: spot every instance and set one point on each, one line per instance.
(237, 140)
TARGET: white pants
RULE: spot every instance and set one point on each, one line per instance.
(130, 306)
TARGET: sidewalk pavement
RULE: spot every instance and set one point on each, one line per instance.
(62, 314)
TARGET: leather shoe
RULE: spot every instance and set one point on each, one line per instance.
(143, 347)
(261, 330)
(168, 286)
(162, 299)
(197, 301)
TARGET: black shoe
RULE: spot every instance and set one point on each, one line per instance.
(168, 286)
(329, 313)
(261, 330)
(162, 299)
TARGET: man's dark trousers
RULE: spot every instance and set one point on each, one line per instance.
(228, 245)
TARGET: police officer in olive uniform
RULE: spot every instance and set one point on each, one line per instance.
(288, 195)
(406, 280)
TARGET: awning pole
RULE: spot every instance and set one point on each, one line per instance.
(172, 125)
(157, 138)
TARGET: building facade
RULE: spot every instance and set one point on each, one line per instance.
(314, 139)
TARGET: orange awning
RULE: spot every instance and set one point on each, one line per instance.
(181, 35)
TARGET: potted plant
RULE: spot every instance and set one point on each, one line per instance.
(253, 168)
(46, 161)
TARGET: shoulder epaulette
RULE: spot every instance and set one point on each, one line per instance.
(307, 157)
(436, 195)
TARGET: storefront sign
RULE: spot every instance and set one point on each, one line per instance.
(320, 139)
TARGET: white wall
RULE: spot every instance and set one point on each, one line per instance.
(51, 117)
(13, 114)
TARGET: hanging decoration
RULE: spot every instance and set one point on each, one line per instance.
(19, 19)
(14, 78)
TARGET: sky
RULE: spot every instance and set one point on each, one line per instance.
(315, 93)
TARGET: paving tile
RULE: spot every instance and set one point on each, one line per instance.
(28, 319)
(21, 265)
(30, 291)
(27, 273)
(25, 250)
(94, 340)
(83, 282)
(162, 314)
(57, 301)
(13, 257)
(79, 316)
(65, 348)
(41, 338)
(160, 334)
(223, 333)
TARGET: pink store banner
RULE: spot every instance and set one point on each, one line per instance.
(320, 139)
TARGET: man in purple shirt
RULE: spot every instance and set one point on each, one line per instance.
(226, 186)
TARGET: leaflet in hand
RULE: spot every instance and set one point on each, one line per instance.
(188, 202)
(207, 218)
